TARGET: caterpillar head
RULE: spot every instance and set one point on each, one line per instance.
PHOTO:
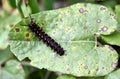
(32, 23)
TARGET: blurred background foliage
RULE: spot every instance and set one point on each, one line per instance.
(10, 13)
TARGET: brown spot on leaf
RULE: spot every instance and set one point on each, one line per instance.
(111, 14)
(85, 27)
(111, 55)
(103, 68)
(56, 24)
(97, 69)
(85, 4)
(81, 10)
(68, 69)
(28, 39)
(27, 35)
(102, 8)
(89, 72)
(86, 67)
(17, 29)
(11, 25)
(98, 20)
(85, 11)
(105, 28)
(42, 23)
(114, 65)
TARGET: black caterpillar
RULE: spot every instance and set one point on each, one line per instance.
(46, 38)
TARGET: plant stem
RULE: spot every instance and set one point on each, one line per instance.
(19, 3)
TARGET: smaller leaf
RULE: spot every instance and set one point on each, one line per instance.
(113, 38)
(48, 5)
(78, 1)
(117, 10)
(110, 3)
(66, 77)
(114, 75)
(12, 70)
(5, 54)
(12, 3)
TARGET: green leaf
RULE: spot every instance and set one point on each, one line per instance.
(37, 73)
(117, 10)
(114, 75)
(5, 55)
(12, 3)
(113, 38)
(48, 5)
(77, 1)
(110, 3)
(34, 6)
(66, 77)
(74, 1)
(73, 28)
(12, 70)
(5, 26)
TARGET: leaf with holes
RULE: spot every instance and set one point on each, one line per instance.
(73, 28)
(12, 70)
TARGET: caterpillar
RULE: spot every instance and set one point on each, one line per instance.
(46, 38)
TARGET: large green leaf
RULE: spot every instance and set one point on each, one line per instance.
(114, 75)
(12, 70)
(6, 23)
(74, 28)
(48, 5)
